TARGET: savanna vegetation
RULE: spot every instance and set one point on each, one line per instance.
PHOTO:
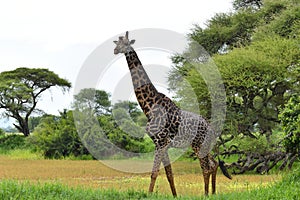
(256, 51)
(68, 179)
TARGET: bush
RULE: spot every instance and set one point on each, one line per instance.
(56, 137)
(12, 142)
(290, 120)
(1, 132)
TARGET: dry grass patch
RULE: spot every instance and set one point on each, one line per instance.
(94, 174)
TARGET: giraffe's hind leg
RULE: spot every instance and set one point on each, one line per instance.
(209, 167)
(214, 175)
(204, 163)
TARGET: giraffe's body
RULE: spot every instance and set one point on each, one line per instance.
(168, 125)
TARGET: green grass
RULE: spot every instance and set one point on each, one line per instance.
(10, 189)
(288, 188)
(23, 154)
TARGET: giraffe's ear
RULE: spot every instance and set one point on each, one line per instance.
(116, 42)
(132, 41)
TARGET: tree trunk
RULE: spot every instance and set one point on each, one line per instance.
(23, 126)
(26, 131)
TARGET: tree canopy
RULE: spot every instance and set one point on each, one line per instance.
(256, 49)
(21, 89)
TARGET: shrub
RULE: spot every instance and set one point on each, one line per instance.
(11, 142)
(56, 137)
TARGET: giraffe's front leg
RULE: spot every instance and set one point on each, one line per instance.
(154, 129)
(169, 173)
(206, 176)
(155, 170)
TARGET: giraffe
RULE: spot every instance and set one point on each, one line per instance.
(168, 125)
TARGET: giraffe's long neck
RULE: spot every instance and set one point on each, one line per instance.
(144, 89)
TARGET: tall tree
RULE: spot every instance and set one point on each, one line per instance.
(95, 100)
(21, 89)
(257, 53)
(131, 107)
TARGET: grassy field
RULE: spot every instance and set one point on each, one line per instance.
(289, 188)
(93, 175)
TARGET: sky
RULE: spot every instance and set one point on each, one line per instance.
(60, 35)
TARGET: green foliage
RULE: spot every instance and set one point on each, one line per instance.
(11, 142)
(279, 18)
(33, 122)
(287, 24)
(130, 134)
(131, 108)
(256, 50)
(100, 133)
(290, 119)
(126, 123)
(95, 100)
(120, 126)
(21, 89)
(226, 31)
(16, 147)
(258, 75)
(125, 133)
(260, 144)
(257, 81)
(93, 133)
(56, 137)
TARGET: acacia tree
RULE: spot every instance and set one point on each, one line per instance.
(21, 89)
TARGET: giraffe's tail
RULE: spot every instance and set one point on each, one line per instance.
(224, 169)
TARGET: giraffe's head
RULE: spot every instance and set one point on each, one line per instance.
(123, 44)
